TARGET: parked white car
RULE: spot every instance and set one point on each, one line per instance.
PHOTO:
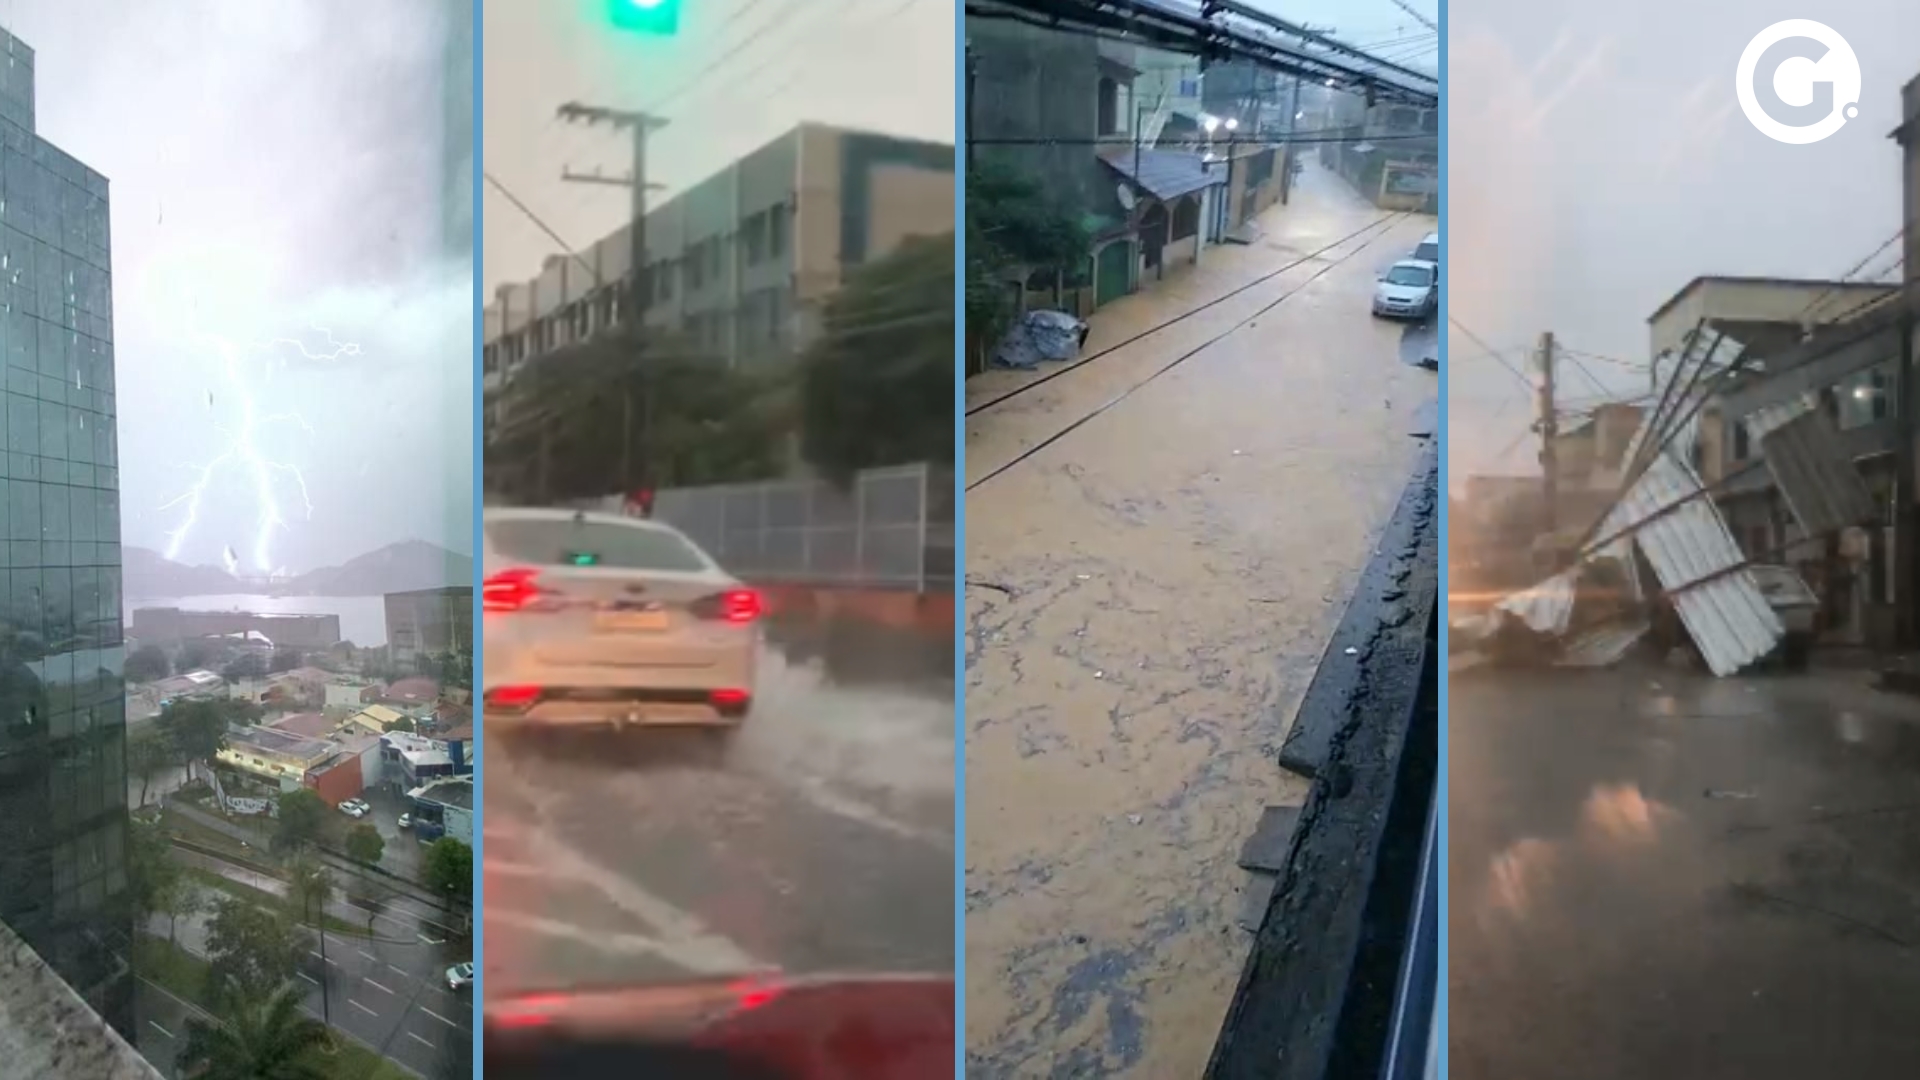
(355, 808)
(1410, 289)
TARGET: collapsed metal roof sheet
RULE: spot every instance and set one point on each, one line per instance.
(1693, 554)
(1821, 484)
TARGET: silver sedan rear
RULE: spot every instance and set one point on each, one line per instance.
(603, 620)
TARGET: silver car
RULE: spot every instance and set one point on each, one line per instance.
(610, 621)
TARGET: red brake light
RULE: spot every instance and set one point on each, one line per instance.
(740, 605)
(728, 698)
(512, 697)
(509, 590)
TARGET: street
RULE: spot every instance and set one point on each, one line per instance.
(1147, 599)
(1656, 873)
(824, 844)
(387, 994)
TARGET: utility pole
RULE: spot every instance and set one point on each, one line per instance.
(1549, 431)
(1293, 113)
(638, 125)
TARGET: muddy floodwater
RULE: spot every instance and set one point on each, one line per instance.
(1147, 599)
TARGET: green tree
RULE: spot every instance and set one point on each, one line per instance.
(251, 951)
(243, 667)
(197, 728)
(145, 664)
(150, 751)
(302, 814)
(364, 843)
(618, 412)
(449, 869)
(405, 723)
(1015, 226)
(180, 898)
(197, 654)
(877, 387)
(271, 1038)
(309, 888)
(283, 660)
(151, 871)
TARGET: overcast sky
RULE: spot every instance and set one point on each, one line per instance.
(274, 168)
(1593, 170)
(740, 73)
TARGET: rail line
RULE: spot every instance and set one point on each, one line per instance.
(1196, 350)
(1384, 219)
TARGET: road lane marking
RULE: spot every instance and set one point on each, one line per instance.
(692, 944)
(822, 797)
(308, 977)
(440, 1018)
(161, 1030)
(425, 940)
(368, 955)
(316, 955)
(398, 970)
(377, 986)
(361, 1007)
(419, 1040)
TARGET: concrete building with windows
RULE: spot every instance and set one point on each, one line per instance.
(63, 852)
(743, 261)
(429, 622)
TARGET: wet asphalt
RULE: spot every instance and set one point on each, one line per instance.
(1658, 874)
(823, 843)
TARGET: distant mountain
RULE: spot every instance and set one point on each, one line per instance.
(401, 567)
(148, 573)
(408, 565)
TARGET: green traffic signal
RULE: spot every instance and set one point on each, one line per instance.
(658, 17)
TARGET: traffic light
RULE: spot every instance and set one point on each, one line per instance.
(660, 18)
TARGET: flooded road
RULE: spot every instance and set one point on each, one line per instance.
(1654, 873)
(825, 843)
(1148, 596)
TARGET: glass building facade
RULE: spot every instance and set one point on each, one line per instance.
(63, 791)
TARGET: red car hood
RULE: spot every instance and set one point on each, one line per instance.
(815, 1028)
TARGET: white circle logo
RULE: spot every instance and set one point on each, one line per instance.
(1819, 68)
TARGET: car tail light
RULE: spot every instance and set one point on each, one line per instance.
(734, 606)
(729, 699)
(512, 697)
(509, 590)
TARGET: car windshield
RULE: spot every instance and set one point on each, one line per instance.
(1410, 275)
(1427, 252)
(614, 544)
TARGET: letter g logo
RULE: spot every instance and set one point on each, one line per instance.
(1830, 66)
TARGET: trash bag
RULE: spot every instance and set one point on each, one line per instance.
(1040, 335)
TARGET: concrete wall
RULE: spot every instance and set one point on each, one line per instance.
(1755, 300)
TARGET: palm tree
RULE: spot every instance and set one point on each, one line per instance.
(267, 1040)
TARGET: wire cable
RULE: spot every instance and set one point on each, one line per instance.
(1492, 352)
(1029, 452)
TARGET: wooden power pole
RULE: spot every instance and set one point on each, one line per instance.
(1549, 432)
(638, 125)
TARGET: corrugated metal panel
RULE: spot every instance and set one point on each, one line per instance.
(1546, 608)
(1603, 645)
(1820, 482)
(1727, 617)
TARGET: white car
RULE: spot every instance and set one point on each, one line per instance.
(602, 620)
(1410, 289)
(1429, 249)
(354, 808)
(460, 976)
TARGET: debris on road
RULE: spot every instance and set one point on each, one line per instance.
(1040, 335)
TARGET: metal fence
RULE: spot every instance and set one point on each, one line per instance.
(891, 527)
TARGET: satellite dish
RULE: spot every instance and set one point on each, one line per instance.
(1125, 195)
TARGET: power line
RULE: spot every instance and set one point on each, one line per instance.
(1491, 351)
(1857, 267)
(1417, 16)
(783, 15)
(1127, 141)
(494, 182)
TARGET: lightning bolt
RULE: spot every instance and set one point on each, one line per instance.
(242, 449)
